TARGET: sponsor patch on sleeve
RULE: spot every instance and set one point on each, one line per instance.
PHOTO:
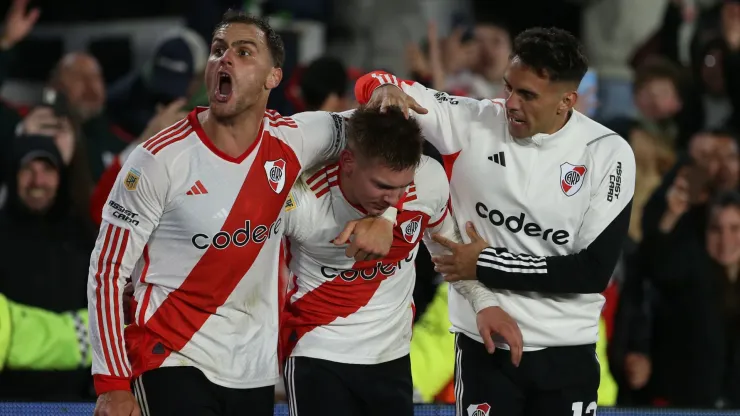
(131, 181)
(290, 203)
(122, 213)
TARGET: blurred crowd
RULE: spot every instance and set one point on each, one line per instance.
(665, 75)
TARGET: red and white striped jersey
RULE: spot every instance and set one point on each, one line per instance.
(199, 233)
(346, 311)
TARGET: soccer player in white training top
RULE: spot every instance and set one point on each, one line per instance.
(196, 221)
(347, 325)
(550, 192)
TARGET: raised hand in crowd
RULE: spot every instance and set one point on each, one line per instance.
(428, 66)
(731, 24)
(456, 56)
(166, 116)
(18, 23)
(43, 122)
(688, 188)
(638, 369)
(40, 121)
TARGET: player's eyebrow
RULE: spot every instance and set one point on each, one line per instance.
(243, 42)
(380, 184)
(522, 91)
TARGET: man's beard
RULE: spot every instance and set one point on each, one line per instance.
(85, 113)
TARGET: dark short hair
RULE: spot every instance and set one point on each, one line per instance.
(387, 137)
(657, 68)
(553, 53)
(274, 41)
(726, 131)
(323, 77)
(726, 199)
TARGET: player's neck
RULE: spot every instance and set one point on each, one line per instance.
(560, 123)
(234, 136)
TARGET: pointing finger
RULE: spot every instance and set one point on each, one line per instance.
(444, 241)
(470, 229)
(343, 237)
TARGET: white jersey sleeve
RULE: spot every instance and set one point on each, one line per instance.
(448, 136)
(299, 217)
(131, 213)
(322, 137)
(598, 243)
(442, 223)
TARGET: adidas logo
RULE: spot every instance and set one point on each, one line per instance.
(498, 158)
(221, 214)
(197, 189)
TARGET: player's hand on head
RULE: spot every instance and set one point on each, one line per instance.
(389, 95)
(494, 320)
(369, 238)
(117, 403)
(462, 263)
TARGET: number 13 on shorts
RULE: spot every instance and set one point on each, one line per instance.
(578, 409)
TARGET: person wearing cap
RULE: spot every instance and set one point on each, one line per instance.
(44, 253)
(172, 72)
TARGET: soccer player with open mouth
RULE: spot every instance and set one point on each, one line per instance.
(196, 221)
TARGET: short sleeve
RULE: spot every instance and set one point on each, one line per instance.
(322, 136)
(299, 213)
(432, 185)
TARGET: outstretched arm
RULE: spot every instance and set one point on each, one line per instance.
(444, 119)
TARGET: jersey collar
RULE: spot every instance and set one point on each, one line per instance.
(543, 139)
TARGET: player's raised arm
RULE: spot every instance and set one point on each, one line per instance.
(597, 244)
(131, 213)
(322, 136)
(446, 120)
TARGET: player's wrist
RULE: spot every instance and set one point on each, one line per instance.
(390, 215)
(481, 304)
(104, 383)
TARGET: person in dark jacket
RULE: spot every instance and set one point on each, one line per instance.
(44, 258)
(710, 165)
(695, 348)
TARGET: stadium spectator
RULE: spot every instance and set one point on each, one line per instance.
(697, 298)
(75, 96)
(324, 86)
(173, 71)
(44, 257)
(711, 165)
(657, 92)
(494, 41)
(612, 32)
